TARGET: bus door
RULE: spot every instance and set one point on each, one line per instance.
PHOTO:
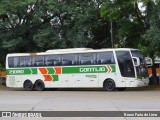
(126, 67)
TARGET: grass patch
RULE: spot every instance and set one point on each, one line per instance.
(2, 86)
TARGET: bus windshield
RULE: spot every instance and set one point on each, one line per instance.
(142, 69)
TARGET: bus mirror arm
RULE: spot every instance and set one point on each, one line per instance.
(136, 61)
(149, 61)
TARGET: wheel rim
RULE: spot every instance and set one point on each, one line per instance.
(28, 85)
(109, 85)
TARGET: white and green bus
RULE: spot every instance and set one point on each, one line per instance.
(77, 68)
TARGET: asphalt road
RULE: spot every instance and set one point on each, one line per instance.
(138, 99)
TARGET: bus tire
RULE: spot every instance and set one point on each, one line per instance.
(121, 89)
(109, 85)
(39, 85)
(28, 86)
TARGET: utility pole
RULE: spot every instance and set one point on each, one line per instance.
(112, 34)
(111, 29)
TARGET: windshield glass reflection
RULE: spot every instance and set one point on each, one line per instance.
(142, 69)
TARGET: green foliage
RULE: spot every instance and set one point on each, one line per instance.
(110, 11)
(1, 68)
(152, 35)
(39, 25)
(127, 28)
(134, 27)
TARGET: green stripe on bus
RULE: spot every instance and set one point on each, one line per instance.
(65, 70)
(113, 68)
(34, 70)
(88, 69)
(51, 70)
(55, 77)
(21, 71)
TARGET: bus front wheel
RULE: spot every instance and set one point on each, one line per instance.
(109, 85)
(39, 85)
(28, 85)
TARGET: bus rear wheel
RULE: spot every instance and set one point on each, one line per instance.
(109, 85)
(39, 85)
(28, 86)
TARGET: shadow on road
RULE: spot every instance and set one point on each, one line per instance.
(148, 88)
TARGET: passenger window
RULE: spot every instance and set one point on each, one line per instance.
(38, 61)
(69, 59)
(105, 58)
(24, 61)
(53, 60)
(11, 62)
(87, 59)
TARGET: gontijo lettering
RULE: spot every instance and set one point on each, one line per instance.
(95, 69)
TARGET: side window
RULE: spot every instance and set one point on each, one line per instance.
(11, 62)
(24, 61)
(87, 59)
(69, 59)
(105, 58)
(52, 60)
(38, 61)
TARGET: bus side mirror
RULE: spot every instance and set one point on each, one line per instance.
(149, 61)
(136, 61)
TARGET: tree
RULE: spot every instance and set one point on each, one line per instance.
(152, 35)
(38, 25)
(128, 22)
